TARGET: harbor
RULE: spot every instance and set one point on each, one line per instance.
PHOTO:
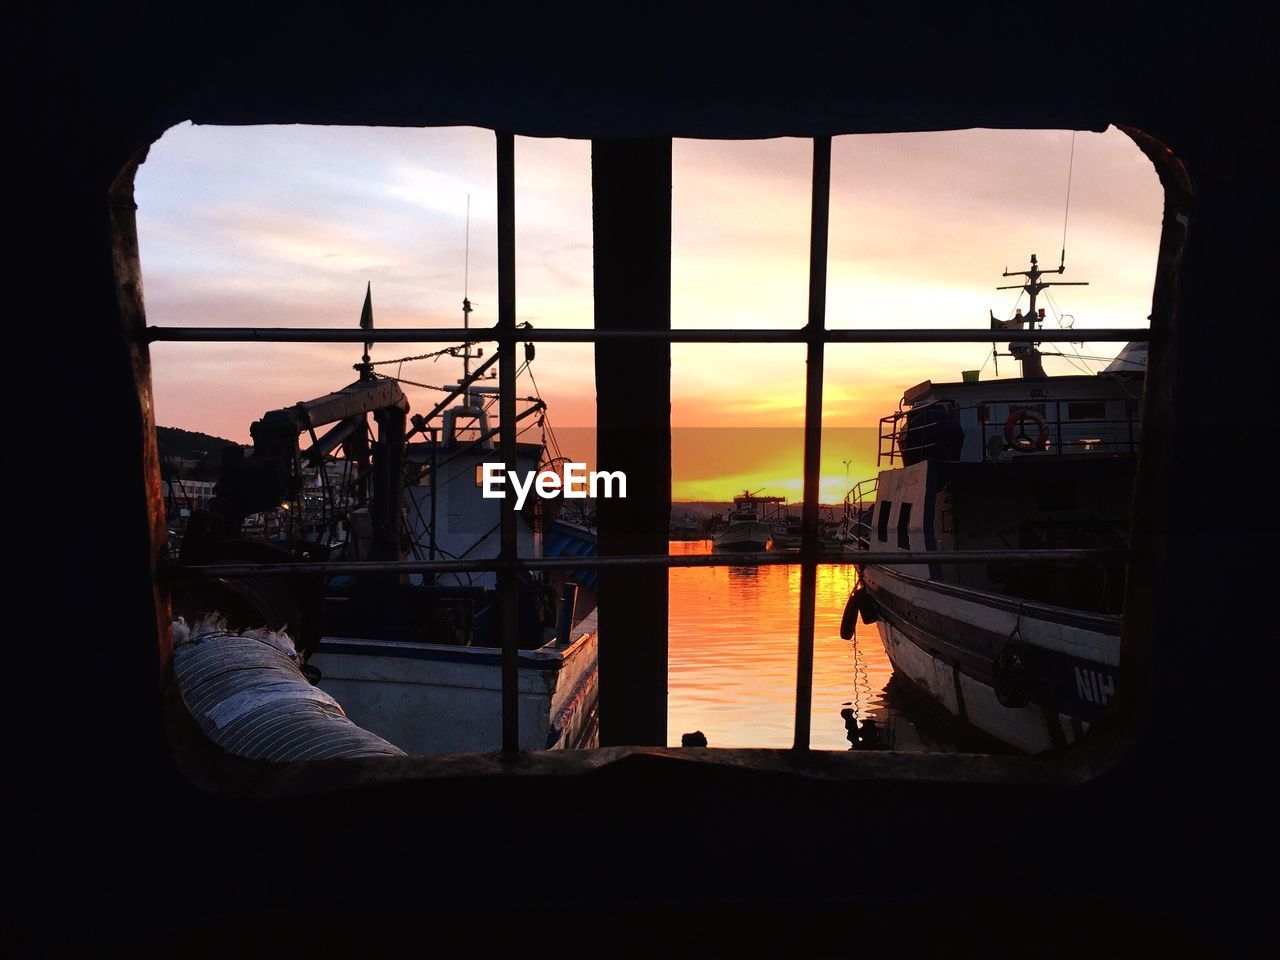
(734, 682)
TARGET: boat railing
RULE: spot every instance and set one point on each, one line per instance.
(900, 437)
(1067, 427)
(1060, 428)
(859, 503)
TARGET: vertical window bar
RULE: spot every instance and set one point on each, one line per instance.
(631, 242)
(815, 335)
(508, 600)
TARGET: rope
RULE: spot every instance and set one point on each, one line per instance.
(554, 445)
(414, 383)
(988, 355)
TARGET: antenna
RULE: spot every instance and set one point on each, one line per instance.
(1033, 286)
(465, 350)
(466, 288)
(1071, 162)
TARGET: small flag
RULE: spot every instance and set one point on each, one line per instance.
(366, 322)
(366, 314)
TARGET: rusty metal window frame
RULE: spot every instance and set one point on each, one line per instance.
(505, 333)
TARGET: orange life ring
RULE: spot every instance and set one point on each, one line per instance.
(1017, 438)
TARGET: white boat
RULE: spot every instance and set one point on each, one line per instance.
(438, 698)
(745, 530)
(413, 659)
(786, 535)
(436, 687)
(1026, 654)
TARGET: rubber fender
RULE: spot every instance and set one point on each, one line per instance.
(849, 620)
(1011, 677)
(859, 602)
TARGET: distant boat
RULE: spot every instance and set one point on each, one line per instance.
(788, 533)
(786, 536)
(744, 530)
(686, 528)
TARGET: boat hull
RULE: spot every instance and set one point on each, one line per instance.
(742, 537)
(433, 698)
(1030, 675)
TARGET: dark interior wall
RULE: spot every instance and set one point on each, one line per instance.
(115, 843)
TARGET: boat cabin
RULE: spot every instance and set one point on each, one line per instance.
(1010, 464)
(990, 420)
(447, 514)
(752, 508)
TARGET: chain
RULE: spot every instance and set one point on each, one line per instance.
(421, 356)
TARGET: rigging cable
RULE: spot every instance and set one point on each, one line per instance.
(1058, 315)
(1067, 210)
(551, 434)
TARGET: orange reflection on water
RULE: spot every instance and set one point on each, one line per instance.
(732, 649)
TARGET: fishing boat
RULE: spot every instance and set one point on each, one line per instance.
(686, 527)
(788, 532)
(1025, 654)
(745, 529)
(786, 536)
(412, 659)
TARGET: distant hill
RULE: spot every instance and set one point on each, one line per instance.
(188, 454)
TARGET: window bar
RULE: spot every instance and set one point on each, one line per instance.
(815, 336)
(333, 568)
(595, 334)
(508, 599)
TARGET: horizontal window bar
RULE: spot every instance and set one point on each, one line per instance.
(589, 335)
(883, 557)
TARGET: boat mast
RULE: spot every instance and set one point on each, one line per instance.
(470, 405)
(466, 301)
(1027, 353)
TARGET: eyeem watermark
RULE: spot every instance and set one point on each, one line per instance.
(575, 484)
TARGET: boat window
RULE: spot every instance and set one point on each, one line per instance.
(882, 523)
(1086, 410)
(759, 357)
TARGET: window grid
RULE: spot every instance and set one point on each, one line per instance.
(507, 335)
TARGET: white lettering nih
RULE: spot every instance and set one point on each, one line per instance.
(574, 485)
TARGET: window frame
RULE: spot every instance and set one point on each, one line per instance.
(815, 335)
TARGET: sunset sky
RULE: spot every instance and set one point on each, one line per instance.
(283, 226)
